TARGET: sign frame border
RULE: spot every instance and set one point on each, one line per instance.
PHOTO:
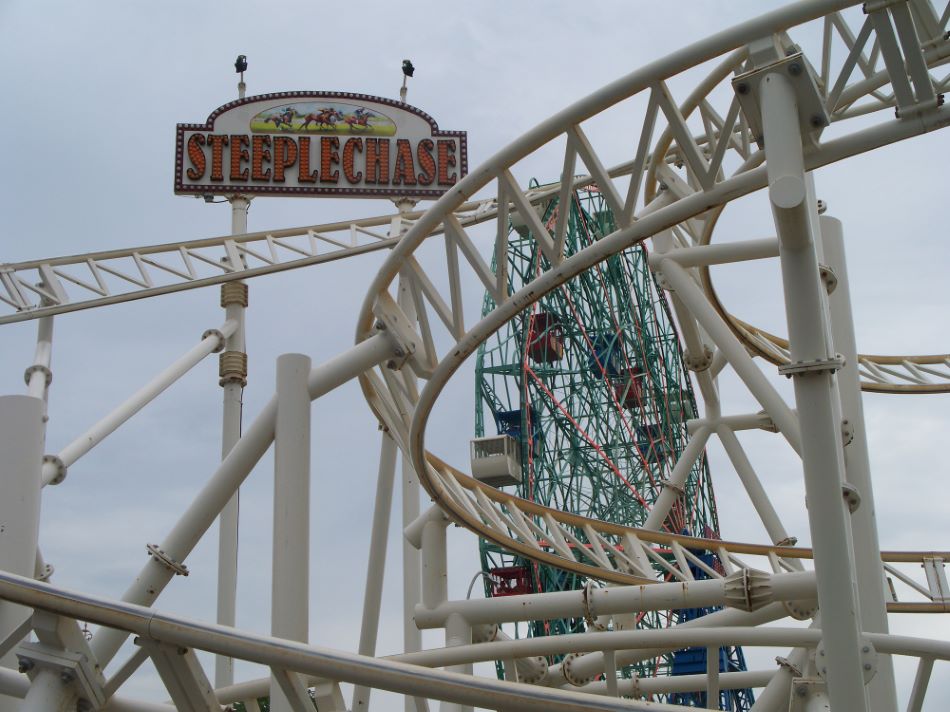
(392, 192)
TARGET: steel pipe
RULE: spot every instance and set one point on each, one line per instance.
(795, 213)
(612, 600)
(213, 340)
(325, 663)
(882, 691)
(206, 505)
(376, 565)
(290, 583)
(231, 415)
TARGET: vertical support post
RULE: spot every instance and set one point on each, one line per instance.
(38, 376)
(291, 571)
(411, 491)
(376, 566)
(795, 212)
(21, 459)
(457, 633)
(233, 379)
(882, 691)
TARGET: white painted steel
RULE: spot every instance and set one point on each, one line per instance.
(795, 212)
(882, 693)
(39, 375)
(376, 564)
(309, 660)
(206, 506)
(411, 493)
(682, 207)
(613, 600)
(212, 341)
(232, 407)
(21, 442)
(290, 583)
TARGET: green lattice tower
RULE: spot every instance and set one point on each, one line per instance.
(592, 383)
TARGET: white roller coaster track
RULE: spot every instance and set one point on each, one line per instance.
(692, 159)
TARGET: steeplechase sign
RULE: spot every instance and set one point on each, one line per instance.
(318, 143)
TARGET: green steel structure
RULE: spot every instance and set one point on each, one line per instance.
(591, 382)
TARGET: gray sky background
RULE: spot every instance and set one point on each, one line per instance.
(92, 93)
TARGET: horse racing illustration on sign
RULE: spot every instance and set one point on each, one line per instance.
(314, 117)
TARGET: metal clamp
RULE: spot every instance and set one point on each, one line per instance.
(165, 560)
(40, 368)
(673, 486)
(818, 365)
(588, 612)
(789, 665)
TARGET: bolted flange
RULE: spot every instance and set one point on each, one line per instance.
(698, 362)
(868, 660)
(220, 337)
(38, 368)
(851, 497)
(569, 675)
(58, 465)
(165, 560)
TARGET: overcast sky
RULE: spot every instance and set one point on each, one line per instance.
(92, 94)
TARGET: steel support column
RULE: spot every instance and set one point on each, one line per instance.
(290, 598)
(21, 458)
(795, 212)
(376, 566)
(867, 549)
(234, 301)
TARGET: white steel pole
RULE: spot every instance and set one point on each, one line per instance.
(233, 379)
(21, 456)
(731, 591)
(675, 485)
(795, 213)
(376, 566)
(211, 341)
(48, 694)
(411, 491)
(867, 549)
(209, 502)
(291, 571)
(39, 375)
